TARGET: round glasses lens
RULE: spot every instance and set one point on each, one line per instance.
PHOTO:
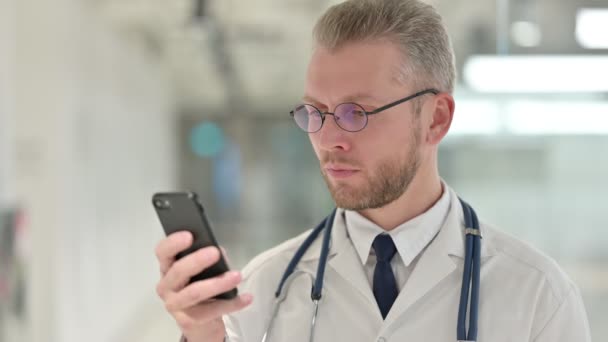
(350, 116)
(308, 118)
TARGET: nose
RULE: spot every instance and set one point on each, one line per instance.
(331, 137)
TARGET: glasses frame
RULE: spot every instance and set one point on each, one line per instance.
(375, 111)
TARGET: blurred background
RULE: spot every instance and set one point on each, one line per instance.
(103, 102)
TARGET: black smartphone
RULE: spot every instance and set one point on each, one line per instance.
(179, 211)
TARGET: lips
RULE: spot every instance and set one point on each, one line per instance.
(339, 171)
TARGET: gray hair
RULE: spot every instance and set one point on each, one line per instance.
(415, 27)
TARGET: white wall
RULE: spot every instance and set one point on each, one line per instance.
(7, 43)
(94, 138)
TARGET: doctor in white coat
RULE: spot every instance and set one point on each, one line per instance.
(378, 101)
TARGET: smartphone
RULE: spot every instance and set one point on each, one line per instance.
(179, 211)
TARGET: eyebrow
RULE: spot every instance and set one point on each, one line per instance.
(351, 98)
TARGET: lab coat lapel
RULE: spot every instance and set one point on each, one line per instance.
(346, 262)
(434, 265)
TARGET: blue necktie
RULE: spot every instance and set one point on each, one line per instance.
(385, 285)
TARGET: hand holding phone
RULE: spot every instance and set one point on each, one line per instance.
(179, 211)
(193, 275)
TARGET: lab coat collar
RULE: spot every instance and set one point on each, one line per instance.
(450, 238)
(339, 238)
(435, 263)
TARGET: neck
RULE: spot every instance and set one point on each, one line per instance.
(422, 193)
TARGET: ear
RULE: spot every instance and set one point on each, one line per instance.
(441, 118)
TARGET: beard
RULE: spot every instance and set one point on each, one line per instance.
(382, 186)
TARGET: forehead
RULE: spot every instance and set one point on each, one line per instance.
(361, 67)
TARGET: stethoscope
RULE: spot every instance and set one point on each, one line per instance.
(470, 277)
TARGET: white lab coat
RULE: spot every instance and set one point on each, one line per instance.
(524, 295)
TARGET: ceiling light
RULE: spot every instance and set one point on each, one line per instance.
(591, 28)
(537, 74)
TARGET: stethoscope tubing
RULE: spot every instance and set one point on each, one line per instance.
(470, 279)
(470, 275)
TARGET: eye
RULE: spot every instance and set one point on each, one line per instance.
(351, 110)
(357, 112)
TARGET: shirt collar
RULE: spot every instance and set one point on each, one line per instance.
(410, 237)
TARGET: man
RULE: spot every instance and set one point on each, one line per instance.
(399, 227)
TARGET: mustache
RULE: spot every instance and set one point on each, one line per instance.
(332, 159)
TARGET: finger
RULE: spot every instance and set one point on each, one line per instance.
(204, 313)
(182, 270)
(202, 290)
(185, 268)
(220, 307)
(167, 248)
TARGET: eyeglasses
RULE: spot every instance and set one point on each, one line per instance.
(349, 116)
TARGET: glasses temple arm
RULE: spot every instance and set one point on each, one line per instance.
(392, 104)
